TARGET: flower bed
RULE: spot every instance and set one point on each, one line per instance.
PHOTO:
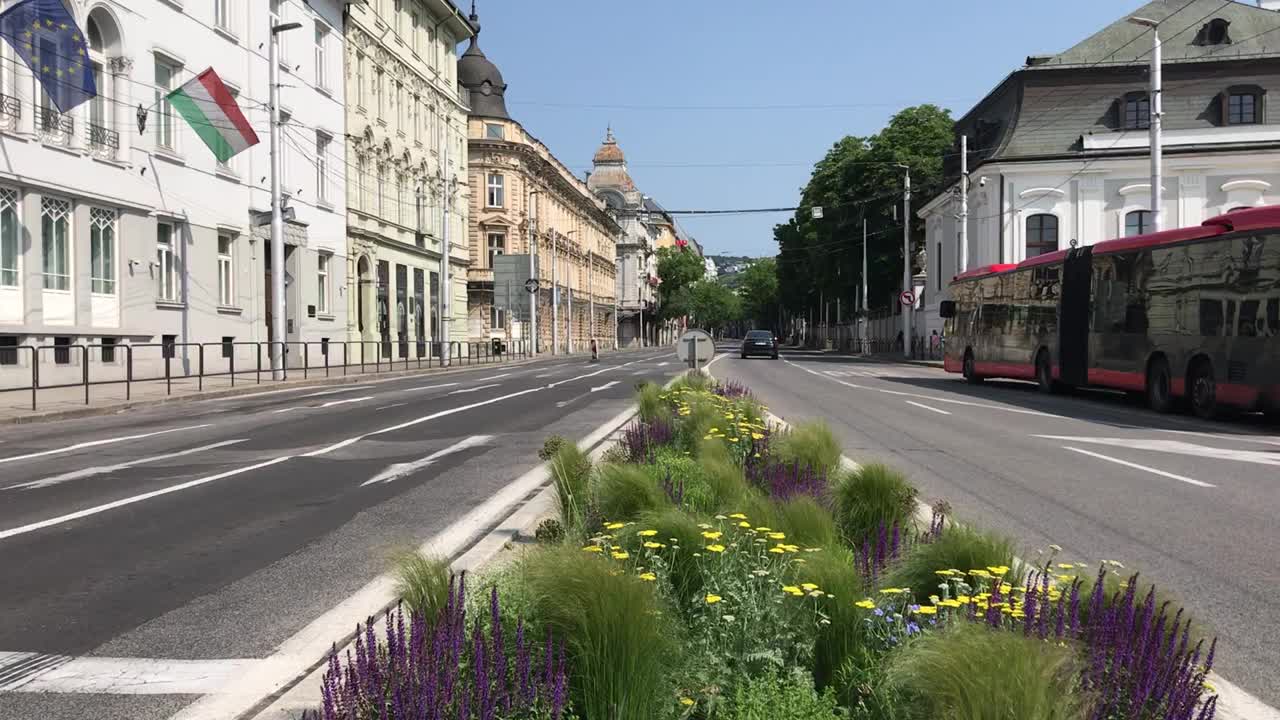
(714, 567)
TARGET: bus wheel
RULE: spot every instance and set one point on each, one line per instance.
(970, 369)
(1044, 373)
(1203, 390)
(1160, 386)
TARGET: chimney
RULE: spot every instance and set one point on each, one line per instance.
(1269, 5)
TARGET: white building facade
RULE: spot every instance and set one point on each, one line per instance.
(116, 237)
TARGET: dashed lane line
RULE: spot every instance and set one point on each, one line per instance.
(1136, 466)
(105, 469)
(98, 443)
(464, 391)
(926, 407)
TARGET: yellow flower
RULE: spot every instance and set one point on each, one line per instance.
(980, 573)
(944, 573)
(593, 548)
(687, 702)
(744, 524)
(648, 577)
(792, 590)
(756, 455)
(764, 529)
(712, 534)
(738, 516)
(962, 599)
(865, 604)
(757, 436)
(615, 526)
(713, 599)
(647, 533)
(808, 587)
(950, 603)
(1066, 566)
(1210, 687)
(892, 591)
(1113, 563)
(620, 555)
(1017, 614)
(777, 550)
(708, 437)
(927, 610)
(715, 548)
(998, 569)
(654, 545)
(1006, 588)
(777, 536)
(1066, 578)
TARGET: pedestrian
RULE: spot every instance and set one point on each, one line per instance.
(595, 351)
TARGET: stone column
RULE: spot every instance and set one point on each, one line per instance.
(123, 119)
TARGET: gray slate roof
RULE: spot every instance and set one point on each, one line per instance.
(1253, 31)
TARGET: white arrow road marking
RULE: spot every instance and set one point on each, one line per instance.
(399, 470)
(329, 404)
(96, 443)
(926, 407)
(1176, 447)
(474, 389)
(493, 377)
(429, 387)
(134, 499)
(103, 470)
(1136, 466)
(118, 676)
(605, 386)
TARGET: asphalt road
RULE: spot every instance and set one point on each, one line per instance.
(1192, 504)
(215, 530)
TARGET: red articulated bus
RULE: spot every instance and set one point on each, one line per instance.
(1182, 315)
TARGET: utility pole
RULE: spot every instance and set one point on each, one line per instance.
(617, 277)
(964, 205)
(442, 305)
(1156, 104)
(591, 297)
(555, 300)
(906, 264)
(277, 212)
(568, 319)
(533, 270)
(863, 333)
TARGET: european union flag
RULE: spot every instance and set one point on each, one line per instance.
(47, 39)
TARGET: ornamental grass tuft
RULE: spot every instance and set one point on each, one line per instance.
(622, 492)
(956, 547)
(571, 474)
(844, 638)
(870, 497)
(808, 444)
(619, 641)
(422, 583)
(969, 672)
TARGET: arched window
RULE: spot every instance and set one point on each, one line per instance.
(1138, 222)
(104, 45)
(1042, 234)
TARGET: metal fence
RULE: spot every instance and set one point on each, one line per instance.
(91, 365)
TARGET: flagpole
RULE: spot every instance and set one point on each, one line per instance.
(277, 216)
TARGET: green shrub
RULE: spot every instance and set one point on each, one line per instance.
(619, 642)
(571, 473)
(970, 672)
(683, 469)
(727, 484)
(622, 492)
(833, 571)
(550, 447)
(806, 522)
(810, 444)
(694, 380)
(650, 403)
(679, 531)
(872, 496)
(772, 696)
(692, 428)
(549, 531)
(422, 583)
(959, 547)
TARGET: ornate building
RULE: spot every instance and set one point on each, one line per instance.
(408, 190)
(525, 196)
(637, 267)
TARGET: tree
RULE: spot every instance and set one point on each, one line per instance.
(758, 288)
(679, 268)
(821, 258)
(711, 305)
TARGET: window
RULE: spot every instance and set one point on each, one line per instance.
(226, 271)
(102, 251)
(168, 343)
(228, 346)
(322, 166)
(397, 10)
(62, 350)
(109, 349)
(1042, 234)
(1214, 32)
(493, 131)
(8, 349)
(276, 9)
(222, 14)
(497, 317)
(497, 246)
(166, 263)
(360, 79)
(432, 61)
(382, 190)
(415, 28)
(362, 183)
(378, 90)
(401, 123)
(1137, 222)
(322, 276)
(322, 56)
(1137, 112)
(415, 112)
(8, 237)
(495, 184)
(1242, 109)
(401, 204)
(55, 226)
(166, 135)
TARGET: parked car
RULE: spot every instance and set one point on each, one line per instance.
(760, 342)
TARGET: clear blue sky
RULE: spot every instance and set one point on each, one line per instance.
(687, 84)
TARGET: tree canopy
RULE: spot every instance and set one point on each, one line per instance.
(678, 268)
(758, 288)
(857, 180)
(711, 306)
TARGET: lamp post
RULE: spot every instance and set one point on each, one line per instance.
(533, 251)
(906, 259)
(277, 217)
(568, 331)
(1157, 114)
(617, 278)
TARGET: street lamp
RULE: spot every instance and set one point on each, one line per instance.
(533, 251)
(1157, 113)
(277, 217)
(906, 259)
(568, 338)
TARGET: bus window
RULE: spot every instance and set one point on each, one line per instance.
(1247, 323)
(1210, 318)
(1273, 318)
(994, 318)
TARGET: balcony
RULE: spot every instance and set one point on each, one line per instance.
(54, 127)
(103, 142)
(10, 112)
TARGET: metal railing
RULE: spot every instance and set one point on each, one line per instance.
(56, 127)
(201, 361)
(102, 139)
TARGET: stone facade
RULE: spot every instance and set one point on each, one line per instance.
(405, 148)
(150, 239)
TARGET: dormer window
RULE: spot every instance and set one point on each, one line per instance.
(1214, 32)
(1242, 105)
(1136, 111)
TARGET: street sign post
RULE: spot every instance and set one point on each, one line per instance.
(908, 298)
(695, 348)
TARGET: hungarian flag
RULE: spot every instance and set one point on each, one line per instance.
(206, 104)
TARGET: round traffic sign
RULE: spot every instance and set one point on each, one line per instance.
(695, 344)
(907, 297)
(531, 285)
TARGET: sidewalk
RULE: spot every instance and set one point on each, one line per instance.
(884, 357)
(69, 402)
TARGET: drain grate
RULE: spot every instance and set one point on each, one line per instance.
(19, 668)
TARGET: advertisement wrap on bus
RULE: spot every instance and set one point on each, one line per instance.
(1182, 317)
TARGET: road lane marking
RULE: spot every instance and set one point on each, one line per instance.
(388, 407)
(399, 470)
(96, 443)
(1176, 447)
(135, 499)
(1136, 466)
(464, 391)
(493, 377)
(104, 469)
(1243, 437)
(335, 392)
(546, 375)
(119, 676)
(605, 386)
(926, 407)
(329, 404)
(664, 363)
(584, 377)
(429, 387)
